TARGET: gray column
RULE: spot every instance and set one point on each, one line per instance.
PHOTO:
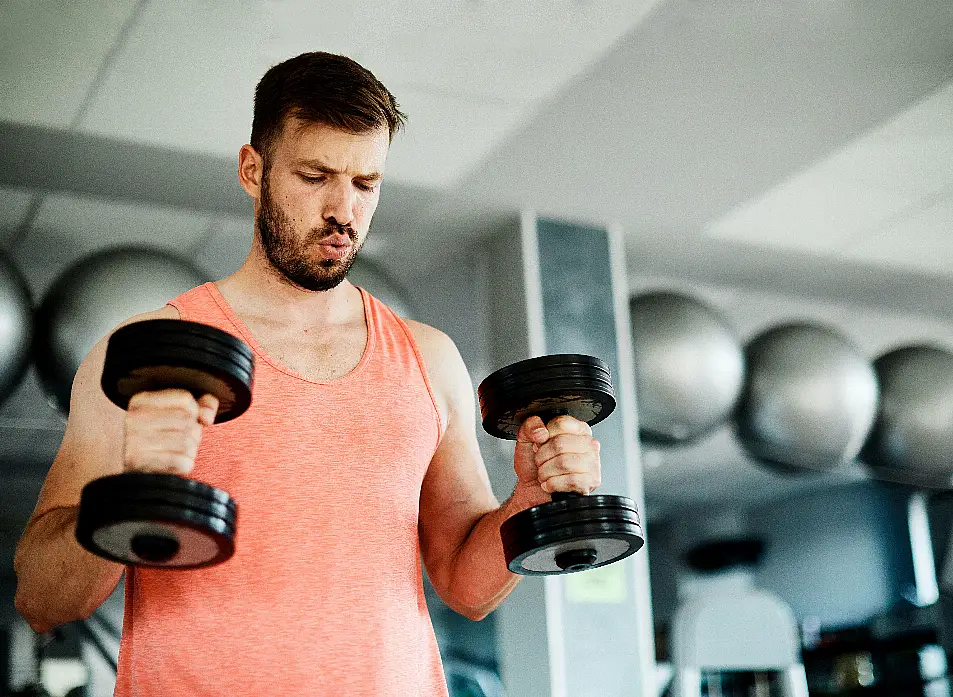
(561, 288)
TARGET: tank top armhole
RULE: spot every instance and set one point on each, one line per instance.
(423, 372)
(178, 306)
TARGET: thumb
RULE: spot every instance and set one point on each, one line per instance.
(532, 434)
(208, 409)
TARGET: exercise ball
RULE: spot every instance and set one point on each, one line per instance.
(91, 297)
(809, 398)
(16, 327)
(912, 437)
(381, 285)
(689, 367)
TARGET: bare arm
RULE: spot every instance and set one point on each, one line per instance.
(460, 517)
(57, 580)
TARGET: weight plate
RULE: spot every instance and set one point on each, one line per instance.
(548, 386)
(132, 485)
(571, 535)
(198, 539)
(159, 354)
(554, 516)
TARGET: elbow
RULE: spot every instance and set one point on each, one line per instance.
(43, 608)
(471, 608)
(42, 616)
(29, 611)
(475, 614)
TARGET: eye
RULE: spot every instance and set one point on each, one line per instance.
(313, 178)
(363, 186)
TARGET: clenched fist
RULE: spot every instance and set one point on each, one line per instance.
(164, 429)
(559, 456)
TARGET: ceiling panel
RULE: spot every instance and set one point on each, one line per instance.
(445, 135)
(185, 78)
(487, 48)
(465, 72)
(50, 52)
(922, 240)
(876, 180)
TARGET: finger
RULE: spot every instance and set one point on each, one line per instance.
(564, 443)
(586, 465)
(578, 483)
(568, 424)
(533, 430)
(208, 409)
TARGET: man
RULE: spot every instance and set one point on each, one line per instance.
(357, 458)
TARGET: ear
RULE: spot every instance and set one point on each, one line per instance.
(250, 170)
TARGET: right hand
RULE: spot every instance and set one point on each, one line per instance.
(164, 429)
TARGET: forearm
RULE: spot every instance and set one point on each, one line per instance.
(57, 580)
(481, 580)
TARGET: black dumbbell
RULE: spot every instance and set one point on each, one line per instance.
(164, 520)
(573, 532)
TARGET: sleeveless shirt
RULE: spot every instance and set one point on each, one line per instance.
(324, 593)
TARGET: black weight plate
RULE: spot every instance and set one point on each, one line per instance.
(168, 497)
(202, 539)
(158, 329)
(608, 528)
(196, 357)
(131, 484)
(551, 517)
(547, 386)
(174, 353)
(161, 366)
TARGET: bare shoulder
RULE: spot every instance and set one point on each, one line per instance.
(446, 370)
(440, 353)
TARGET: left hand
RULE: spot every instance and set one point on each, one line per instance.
(559, 456)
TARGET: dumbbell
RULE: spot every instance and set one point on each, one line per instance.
(573, 532)
(164, 520)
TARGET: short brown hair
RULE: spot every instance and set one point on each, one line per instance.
(321, 88)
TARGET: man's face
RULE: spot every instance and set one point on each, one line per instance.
(319, 191)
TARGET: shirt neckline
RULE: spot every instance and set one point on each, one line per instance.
(250, 339)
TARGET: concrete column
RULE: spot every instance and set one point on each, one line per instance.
(561, 288)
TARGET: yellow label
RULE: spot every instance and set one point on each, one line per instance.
(605, 584)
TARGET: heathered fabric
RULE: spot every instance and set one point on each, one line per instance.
(324, 593)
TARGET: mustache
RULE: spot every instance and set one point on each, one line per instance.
(330, 229)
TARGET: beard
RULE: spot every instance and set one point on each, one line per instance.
(290, 257)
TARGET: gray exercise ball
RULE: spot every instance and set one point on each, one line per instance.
(94, 295)
(809, 399)
(912, 437)
(372, 278)
(16, 327)
(689, 367)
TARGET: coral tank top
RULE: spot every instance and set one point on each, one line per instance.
(324, 594)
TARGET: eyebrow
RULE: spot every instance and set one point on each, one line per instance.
(318, 166)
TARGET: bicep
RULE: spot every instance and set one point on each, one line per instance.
(456, 490)
(92, 442)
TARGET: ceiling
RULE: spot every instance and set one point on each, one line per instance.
(793, 151)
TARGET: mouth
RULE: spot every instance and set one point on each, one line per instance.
(335, 248)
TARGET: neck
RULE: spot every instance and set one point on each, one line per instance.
(257, 290)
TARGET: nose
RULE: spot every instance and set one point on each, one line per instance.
(339, 203)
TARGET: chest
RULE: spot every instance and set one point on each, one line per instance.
(318, 355)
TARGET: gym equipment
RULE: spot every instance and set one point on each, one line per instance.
(573, 532)
(689, 367)
(163, 520)
(92, 297)
(740, 636)
(809, 398)
(16, 327)
(912, 438)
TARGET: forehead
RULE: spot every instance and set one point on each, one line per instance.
(306, 140)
